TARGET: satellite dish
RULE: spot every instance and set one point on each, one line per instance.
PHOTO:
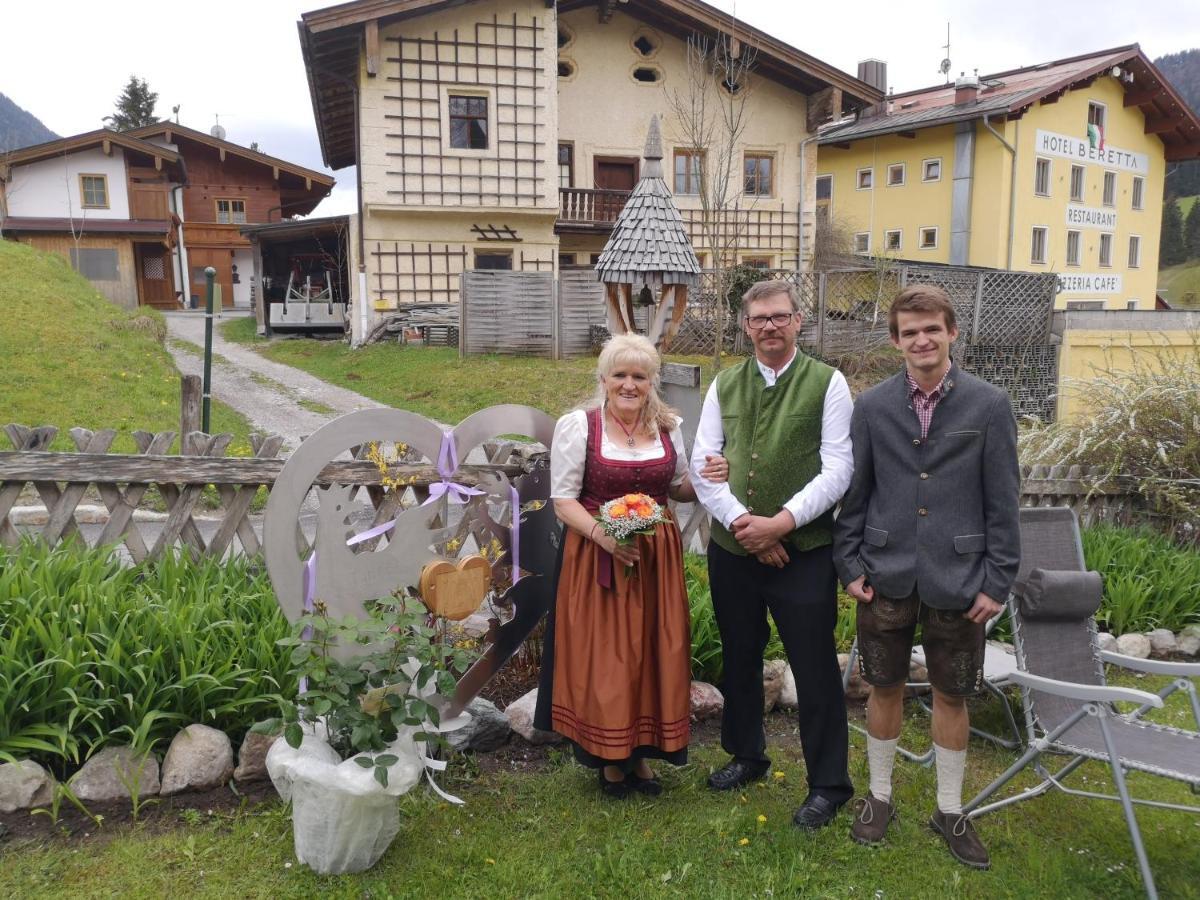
(944, 68)
(217, 131)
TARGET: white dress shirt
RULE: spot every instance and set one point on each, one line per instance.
(568, 453)
(814, 498)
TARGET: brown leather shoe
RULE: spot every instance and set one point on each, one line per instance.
(959, 834)
(871, 819)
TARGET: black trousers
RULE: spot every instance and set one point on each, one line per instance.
(802, 599)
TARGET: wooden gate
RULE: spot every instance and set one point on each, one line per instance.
(156, 286)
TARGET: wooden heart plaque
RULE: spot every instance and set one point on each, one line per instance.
(454, 592)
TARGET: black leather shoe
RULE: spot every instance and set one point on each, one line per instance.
(617, 790)
(816, 812)
(651, 787)
(735, 773)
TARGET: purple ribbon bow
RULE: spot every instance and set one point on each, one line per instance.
(447, 465)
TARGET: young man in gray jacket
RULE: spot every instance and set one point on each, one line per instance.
(927, 534)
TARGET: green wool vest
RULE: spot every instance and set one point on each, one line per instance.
(773, 443)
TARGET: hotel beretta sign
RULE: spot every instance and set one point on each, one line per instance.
(1081, 150)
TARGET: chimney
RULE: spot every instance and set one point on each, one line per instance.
(874, 73)
(966, 89)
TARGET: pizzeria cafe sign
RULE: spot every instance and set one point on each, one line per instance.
(1081, 150)
(1089, 283)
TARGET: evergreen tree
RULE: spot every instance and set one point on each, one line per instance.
(135, 106)
(1171, 250)
(1191, 231)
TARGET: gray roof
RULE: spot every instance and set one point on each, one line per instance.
(649, 244)
(873, 126)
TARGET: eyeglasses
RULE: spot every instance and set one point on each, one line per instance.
(778, 320)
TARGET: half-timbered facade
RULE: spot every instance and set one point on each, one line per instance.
(506, 134)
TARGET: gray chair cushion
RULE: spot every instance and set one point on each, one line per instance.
(1059, 596)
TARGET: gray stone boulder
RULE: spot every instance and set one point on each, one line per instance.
(705, 700)
(252, 756)
(198, 759)
(1106, 642)
(857, 689)
(788, 699)
(1134, 644)
(773, 682)
(488, 729)
(1162, 641)
(1187, 642)
(520, 718)
(24, 785)
(107, 775)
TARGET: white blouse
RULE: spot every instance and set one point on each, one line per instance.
(568, 453)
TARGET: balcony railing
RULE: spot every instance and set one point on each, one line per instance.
(597, 208)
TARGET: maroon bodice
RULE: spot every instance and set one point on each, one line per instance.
(605, 479)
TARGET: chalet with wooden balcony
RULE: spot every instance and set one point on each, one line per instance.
(506, 134)
(142, 213)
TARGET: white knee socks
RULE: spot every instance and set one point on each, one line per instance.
(881, 756)
(950, 767)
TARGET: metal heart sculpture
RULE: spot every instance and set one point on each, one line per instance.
(345, 579)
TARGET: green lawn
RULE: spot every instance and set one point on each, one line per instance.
(1181, 285)
(72, 358)
(1185, 204)
(549, 834)
(433, 381)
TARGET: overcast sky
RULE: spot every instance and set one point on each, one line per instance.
(67, 61)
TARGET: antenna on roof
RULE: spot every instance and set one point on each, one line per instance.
(217, 130)
(944, 68)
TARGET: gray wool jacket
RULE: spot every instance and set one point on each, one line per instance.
(938, 515)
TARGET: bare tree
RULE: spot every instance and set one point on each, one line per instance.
(710, 115)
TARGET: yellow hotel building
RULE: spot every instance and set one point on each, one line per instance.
(1058, 167)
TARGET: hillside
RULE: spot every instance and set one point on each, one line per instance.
(73, 358)
(1183, 71)
(19, 128)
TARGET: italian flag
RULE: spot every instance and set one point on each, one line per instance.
(1095, 136)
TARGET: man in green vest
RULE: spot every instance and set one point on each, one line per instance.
(782, 419)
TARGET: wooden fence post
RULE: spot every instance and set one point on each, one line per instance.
(189, 404)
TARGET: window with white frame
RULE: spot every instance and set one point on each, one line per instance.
(1096, 114)
(1135, 251)
(931, 169)
(1041, 177)
(1131, 304)
(1106, 242)
(891, 239)
(929, 238)
(1072, 248)
(895, 174)
(1037, 246)
(1110, 189)
(231, 212)
(1137, 195)
(864, 179)
(862, 242)
(1086, 305)
(1077, 183)
(824, 196)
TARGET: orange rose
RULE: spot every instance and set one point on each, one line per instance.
(618, 511)
(643, 510)
(634, 499)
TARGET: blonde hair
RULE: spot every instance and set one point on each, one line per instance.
(634, 349)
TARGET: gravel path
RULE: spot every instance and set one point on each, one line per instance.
(267, 393)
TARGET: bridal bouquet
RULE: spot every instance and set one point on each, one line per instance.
(629, 515)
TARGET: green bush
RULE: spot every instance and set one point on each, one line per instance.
(94, 652)
(1149, 582)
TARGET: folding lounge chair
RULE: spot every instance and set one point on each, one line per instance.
(1068, 705)
(998, 664)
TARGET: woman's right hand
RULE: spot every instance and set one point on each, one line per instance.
(624, 553)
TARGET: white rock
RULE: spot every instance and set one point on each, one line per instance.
(1192, 630)
(773, 682)
(788, 698)
(199, 758)
(1106, 642)
(105, 775)
(477, 624)
(705, 700)
(1188, 644)
(520, 717)
(1134, 644)
(488, 729)
(1162, 641)
(24, 785)
(857, 689)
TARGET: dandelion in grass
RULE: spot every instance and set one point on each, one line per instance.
(762, 820)
(743, 842)
(490, 861)
(779, 776)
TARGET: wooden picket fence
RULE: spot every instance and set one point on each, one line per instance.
(123, 482)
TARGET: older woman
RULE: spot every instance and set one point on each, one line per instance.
(617, 664)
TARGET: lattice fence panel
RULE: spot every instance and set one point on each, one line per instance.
(508, 312)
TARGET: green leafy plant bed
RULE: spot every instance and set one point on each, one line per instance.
(1149, 582)
(93, 652)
